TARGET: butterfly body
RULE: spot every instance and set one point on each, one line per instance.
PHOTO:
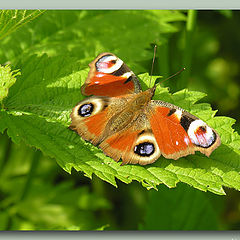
(127, 124)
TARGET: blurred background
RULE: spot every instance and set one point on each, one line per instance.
(36, 194)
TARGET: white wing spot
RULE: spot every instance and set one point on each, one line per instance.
(178, 114)
(99, 75)
(127, 74)
(186, 140)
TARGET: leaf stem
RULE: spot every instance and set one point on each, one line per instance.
(188, 49)
(7, 152)
(30, 176)
(98, 186)
(163, 63)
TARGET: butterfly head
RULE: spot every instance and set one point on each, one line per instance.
(150, 92)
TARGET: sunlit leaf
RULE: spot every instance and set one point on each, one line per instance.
(37, 112)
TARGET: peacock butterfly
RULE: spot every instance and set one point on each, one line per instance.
(127, 124)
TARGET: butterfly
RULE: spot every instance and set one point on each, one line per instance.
(123, 120)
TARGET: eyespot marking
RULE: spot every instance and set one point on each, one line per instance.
(85, 110)
(144, 149)
(201, 134)
(108, 64)
(90, 106)
(202, 129)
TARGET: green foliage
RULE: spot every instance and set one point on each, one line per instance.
(10, 20)
(7, 79)
(31, 200)
(38, 106)
(84, 34)
(52, 53)
(188, 209)
(38, 112)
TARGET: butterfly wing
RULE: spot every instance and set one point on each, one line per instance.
(128, 125)
(134, 144)
(179, 133)
(110, 76)
(120, 132)
(161, 129)
(141, 136)
(91, 116)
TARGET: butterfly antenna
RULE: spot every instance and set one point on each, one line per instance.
(173, 75)
(154, 56)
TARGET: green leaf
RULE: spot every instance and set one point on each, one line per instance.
(84, 34)
(7, 79)
(226, 13)
(48, 203)
(183, 208)
(37, 111)
(10, 20)
(38, 106)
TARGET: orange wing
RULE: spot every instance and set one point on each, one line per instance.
(89, 118)
(132, 146)
(179, 133)
(110, 76)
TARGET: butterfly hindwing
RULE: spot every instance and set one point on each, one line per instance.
(134, 144)
(110, 76)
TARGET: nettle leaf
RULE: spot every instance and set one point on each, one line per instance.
(10, 20)
(37, 111)
(7, 79)
(85, 34)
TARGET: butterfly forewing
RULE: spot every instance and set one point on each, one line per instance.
(110, 76)
(179, 133)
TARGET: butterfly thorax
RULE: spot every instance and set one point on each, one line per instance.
(129, 114)
(141, 99)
